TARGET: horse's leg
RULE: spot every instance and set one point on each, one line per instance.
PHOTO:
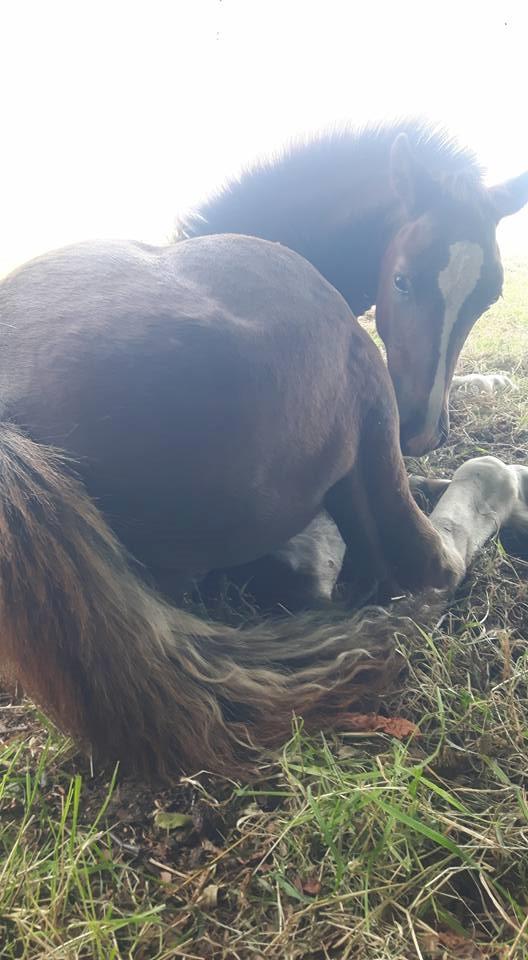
(304, 572)
(393, 542)
(484, 495)
(313, 561)
(390, 542)
(430, 487)
(482, 382)
(471, 509)
(299, 575)
(427, 490)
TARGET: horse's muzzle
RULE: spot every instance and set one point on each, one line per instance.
(415, 442)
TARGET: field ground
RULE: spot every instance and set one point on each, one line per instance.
(355, 846)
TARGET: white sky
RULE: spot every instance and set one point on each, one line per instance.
(116, 115)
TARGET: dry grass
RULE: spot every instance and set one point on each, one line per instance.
(353, 846)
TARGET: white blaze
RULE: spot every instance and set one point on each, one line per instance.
(456, 282)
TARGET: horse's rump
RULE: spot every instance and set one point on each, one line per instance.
(204, 388)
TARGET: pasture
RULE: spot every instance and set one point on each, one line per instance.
(364, 844)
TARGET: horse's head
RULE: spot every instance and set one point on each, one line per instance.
(440, 272)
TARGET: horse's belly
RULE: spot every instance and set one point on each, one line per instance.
(178, 500)
(188, 533)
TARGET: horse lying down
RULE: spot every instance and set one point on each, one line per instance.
(396, 215)
(169, 411)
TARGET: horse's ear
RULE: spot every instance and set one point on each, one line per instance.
(404, 172)
(510, 197)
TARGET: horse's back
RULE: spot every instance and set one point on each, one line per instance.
(200, 385)
(121, 286)
(119, 312)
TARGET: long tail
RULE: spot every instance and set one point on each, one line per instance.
(139, 680)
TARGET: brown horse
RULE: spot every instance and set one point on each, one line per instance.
(214, 395)
(396, 215)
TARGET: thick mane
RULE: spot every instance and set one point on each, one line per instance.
(331, 199)
(311, 178)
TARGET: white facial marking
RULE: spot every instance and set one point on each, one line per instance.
(457, 281)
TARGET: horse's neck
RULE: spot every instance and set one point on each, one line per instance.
(349, 254)
(335, 213)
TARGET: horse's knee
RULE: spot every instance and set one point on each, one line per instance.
(278, 583)
(313, 561)
(300, 575)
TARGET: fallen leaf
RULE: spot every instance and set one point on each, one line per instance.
(208, 899)
(397, 727)
(297, 883)
(172, 821)
(436, 943)
(254, 856)
(311, 886)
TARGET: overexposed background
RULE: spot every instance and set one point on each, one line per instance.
(117, 115)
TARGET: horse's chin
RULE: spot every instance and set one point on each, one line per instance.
(418, 444)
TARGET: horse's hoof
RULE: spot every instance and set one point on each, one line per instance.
(483, 383)
(428, 488)
(514, 534)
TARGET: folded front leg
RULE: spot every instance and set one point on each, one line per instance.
(483, 496)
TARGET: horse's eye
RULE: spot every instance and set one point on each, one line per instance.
(402, 283)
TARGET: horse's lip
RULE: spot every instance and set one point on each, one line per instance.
(416, 442)
(417, 446)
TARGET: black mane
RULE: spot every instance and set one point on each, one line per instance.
(331, 195)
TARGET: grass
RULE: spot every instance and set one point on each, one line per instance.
(352, 846)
